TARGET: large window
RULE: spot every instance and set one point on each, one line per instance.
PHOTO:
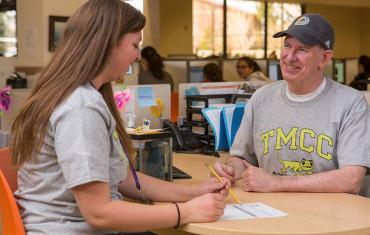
(247, 30)
(8, 33)
(208, 27)
(279, 16)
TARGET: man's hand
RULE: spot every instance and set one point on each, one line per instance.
(257, 179)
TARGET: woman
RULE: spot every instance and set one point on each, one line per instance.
(70, 146)
(152, 69)
(363, 75)
(249, 70)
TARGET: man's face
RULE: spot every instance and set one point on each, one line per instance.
(301, 63)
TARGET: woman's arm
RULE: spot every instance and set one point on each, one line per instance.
(101, 212)
(159, 190)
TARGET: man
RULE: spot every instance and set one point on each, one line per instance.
(306, 133)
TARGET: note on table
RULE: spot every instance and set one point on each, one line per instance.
(145, 96)
(250, 211)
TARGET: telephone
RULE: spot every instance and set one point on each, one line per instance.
(184, 138)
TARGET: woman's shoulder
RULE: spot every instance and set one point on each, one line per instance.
(85, 96)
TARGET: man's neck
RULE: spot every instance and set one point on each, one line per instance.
(304, 87)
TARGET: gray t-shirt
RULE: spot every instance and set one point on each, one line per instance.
(80, 146)
(300, 138)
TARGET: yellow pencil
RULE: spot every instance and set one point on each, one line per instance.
(213, 172)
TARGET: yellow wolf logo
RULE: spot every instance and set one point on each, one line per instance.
(297, 166)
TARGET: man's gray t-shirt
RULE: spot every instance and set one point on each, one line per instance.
(80, 146)
(300, 138)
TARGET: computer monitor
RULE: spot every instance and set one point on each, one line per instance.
(195, 74)
(339, 71)
(274, 70)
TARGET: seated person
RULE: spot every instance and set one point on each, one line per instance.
(306, 133)
(212, 73)
(152, 69)
(75, 160)
(363, 75)
(250, 71)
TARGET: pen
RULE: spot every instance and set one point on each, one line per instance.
(213, 172)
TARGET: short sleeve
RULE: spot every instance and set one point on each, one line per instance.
(82, 146)
(353, 145)
(243, 143)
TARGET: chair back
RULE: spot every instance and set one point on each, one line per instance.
(11, 219)
(5, 166)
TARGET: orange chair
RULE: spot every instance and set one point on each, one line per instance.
(174, 106)
(11, 220)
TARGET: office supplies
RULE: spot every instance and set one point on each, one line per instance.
(232, 118)
(219, 179)
(146, 96)
(250, 211)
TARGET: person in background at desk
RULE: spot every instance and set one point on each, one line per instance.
(74, 158)
(363, 75)
(250, 71)
(212, 73)
(152, 69)
(306, 133)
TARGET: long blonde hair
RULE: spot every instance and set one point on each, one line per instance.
(88, 40)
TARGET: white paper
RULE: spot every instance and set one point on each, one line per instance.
(250, 211)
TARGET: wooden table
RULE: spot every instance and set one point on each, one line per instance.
(308, 213)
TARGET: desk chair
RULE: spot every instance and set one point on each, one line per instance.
(11, 219)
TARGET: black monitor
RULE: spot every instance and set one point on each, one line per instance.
(274, 70)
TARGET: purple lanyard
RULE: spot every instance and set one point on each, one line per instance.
(136, 178)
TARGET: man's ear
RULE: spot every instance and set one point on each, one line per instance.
(326, 57)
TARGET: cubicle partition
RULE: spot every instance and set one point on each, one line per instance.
(135, 105)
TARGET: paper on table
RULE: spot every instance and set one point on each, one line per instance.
(146, 96)
(250, 211)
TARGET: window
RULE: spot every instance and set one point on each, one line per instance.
(138, 4)
(8, 33)
(247, 30)
(207, 27)
(279, 16)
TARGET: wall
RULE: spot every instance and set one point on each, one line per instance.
(348, 27)
(176, 27)
(151, 30)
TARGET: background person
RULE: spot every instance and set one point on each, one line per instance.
(212, 73)
(152, 68)
(306, 133)
(250, 71)
(363, 75)
(69, 143)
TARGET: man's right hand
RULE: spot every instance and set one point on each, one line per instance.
(225, 171)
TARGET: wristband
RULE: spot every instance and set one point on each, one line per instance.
(178, 215)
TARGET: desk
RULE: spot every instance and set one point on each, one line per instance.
(308, 213)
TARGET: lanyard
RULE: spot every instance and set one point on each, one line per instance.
(136, 178)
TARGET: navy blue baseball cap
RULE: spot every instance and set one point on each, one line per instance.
(311, 29)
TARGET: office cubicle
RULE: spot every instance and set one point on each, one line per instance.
(134, 107)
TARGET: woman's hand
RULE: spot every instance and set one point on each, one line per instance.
(212, 186)
(206, 208)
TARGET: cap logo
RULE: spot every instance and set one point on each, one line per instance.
(302, 20)
(327, 43)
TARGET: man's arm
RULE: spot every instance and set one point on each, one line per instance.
(347, 179)
(232, 169)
